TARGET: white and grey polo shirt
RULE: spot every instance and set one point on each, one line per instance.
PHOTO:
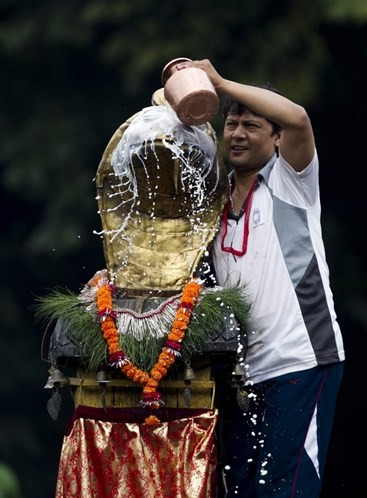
(292, 320)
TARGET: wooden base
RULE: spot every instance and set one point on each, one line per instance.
(123, 393)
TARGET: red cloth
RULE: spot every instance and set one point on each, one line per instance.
(114, 454)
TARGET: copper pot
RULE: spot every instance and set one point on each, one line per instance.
(190, 92)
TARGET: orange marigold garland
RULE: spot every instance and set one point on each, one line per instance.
(151, 398)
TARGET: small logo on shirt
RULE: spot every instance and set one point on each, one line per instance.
(256, 218)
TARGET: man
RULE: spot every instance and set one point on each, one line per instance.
(270, 241)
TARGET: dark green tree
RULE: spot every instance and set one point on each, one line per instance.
(71, 72)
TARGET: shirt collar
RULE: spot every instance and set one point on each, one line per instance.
(263, 174)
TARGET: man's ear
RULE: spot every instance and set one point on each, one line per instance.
(277, 142)
(277, 139)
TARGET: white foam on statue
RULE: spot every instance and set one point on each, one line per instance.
(161, 122)
(195, 148)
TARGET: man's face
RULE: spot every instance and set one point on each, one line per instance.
(249, 141)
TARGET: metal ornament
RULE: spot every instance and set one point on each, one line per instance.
(50, 383)
(187, 397)
(102, 379)
(189, 373)
(243, 399)
(239, 370)
(55, 379)
(238, 382)
(54, 404)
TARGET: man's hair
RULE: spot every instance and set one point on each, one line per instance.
(232, 106)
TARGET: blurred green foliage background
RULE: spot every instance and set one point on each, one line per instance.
(71, 72)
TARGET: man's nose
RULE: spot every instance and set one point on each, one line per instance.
(238, 132)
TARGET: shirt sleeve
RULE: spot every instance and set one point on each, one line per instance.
(299, 188)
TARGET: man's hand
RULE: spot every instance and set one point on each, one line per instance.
(212, 73)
